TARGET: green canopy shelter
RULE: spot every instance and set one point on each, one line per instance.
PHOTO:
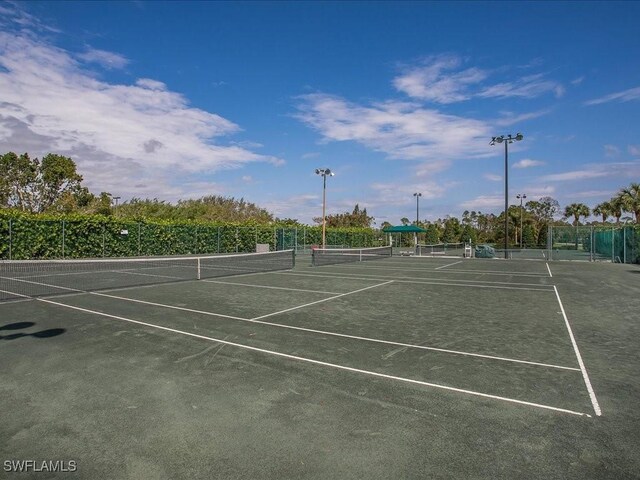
(400, 229)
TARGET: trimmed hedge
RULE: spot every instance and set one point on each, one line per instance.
(24, 236)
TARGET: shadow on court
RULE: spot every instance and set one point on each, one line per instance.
(51, 332)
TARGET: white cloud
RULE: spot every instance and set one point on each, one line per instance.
(484, 201)
(611, 151)
(509, 118)
(492, 177)
(528, 163)
(530, 86)
(440, 79)
(574, 175)
(634, 150)
(617, 169)
(399, 193)
(401, 130)
(624, 96)
(104, 58)
(435, 81)
(428, 169)
(50, 102)
(577, 81)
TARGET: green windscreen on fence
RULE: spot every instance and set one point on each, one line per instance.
(593, 243)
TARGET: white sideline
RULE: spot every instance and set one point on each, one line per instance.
(318, 362)
(585, 375)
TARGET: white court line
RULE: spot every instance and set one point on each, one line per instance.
(585, 375)
(548, 268)
(323, 300)
(543, 288)
(43, 284)
(368, 266)
(448, 265)
(318, 362)
(335, 334)
(269, 286)
(350, 266)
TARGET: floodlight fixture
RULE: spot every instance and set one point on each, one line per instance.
(324, 172)
(507, 139)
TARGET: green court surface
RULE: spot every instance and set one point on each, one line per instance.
(406, 367)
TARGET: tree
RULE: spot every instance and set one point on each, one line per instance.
(357, 218)
(631, 199)
(617, 207)
(576, 210)
(452, 230)
(404, 220)
(603, 209)
(36, 186)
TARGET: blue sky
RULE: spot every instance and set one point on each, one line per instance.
(243, 99)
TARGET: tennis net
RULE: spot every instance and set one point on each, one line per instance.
(26, 278)
(332, 256)
(455, 249)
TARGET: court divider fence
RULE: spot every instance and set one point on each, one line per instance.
(24, 238)
(618, 244)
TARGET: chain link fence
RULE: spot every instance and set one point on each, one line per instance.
(594, 243)
(27, 238)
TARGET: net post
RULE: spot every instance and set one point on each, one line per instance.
(199, 277)
(293, 254)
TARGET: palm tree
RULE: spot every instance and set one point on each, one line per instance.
(404, 220)
(617, 207)
(576, 210)
(604, 209)
(631, 199)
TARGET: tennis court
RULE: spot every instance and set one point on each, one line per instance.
(249, 367)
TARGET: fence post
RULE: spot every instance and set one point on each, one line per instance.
(613, 260)
(624, 244)
(10, 238)
(591, 245)
(103, 239)
(139, 239)
(218, 246)
(550, 242)
(63, 222)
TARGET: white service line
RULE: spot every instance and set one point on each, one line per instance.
(445, 266)
(336, 334)
(548, 268)
(447, 283)
(352, 266)
(323, 300)
(585, 375)
(318, 362)
(270, 287)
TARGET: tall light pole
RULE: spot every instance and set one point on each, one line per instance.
(115, 199)
(507, 140)
(324, 172)
(521, 197)
(417, 195)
